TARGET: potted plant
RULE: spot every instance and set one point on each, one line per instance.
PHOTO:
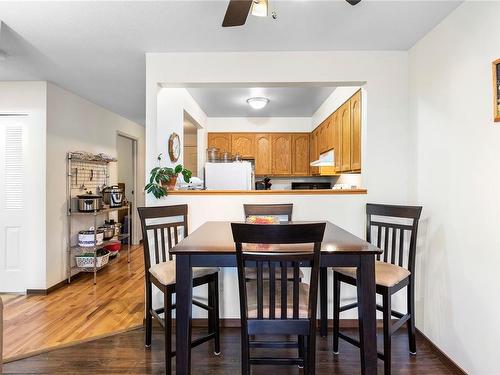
(162, 179)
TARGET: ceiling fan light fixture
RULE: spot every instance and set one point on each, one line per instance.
(260, 8)
(257, 102)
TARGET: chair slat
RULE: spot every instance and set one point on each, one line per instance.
(260, 286)
(284, 275)
(272, 290)
(401, 247)
(176, 234)
(169, 237)
(379, 239)
(296, 290)
(386, 241)
(164, 251)
(157, 254)
(393, 245)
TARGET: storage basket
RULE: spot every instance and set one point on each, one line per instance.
(87, 260)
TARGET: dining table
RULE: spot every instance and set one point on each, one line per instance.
(212, 245)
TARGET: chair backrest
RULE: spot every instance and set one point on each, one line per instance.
(282, 209)
(266, 259)
(394, 230)
(156, 222)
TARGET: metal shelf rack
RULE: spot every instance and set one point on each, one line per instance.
(93, 173)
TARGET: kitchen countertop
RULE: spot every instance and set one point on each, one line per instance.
(269, 192)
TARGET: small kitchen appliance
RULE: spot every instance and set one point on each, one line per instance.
(113, 196)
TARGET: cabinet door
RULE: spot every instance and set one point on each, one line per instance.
(263, 154)
(281, 150)
(313, 152)
(337, 140)
(220, 140)
(243, 144)
(355, 103)
(300, 154)
(345, 124)
(328, 134)
(322, 146)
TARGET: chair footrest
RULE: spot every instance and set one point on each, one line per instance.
(276, 361)
(274, 344)
(353, 341)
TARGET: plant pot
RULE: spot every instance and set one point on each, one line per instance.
(170, 185)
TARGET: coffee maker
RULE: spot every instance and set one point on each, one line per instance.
(264, 184)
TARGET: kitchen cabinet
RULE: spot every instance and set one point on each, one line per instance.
(345, 126)
(300, 154)
(220, 140)
(243, 144)
(313, 151)
(263, 154)
(281, 150)
(355, 103)
(337, 140)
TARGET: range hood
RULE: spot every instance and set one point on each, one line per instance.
(326, 159)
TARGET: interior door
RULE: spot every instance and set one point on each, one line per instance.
(12, 204)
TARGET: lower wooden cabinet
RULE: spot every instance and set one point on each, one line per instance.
(300, 154)
(263, 154)
(281, 150)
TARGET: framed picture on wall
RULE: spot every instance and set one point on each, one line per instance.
(496, 90)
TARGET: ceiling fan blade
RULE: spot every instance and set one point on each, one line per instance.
(237, 13)
(353, 2)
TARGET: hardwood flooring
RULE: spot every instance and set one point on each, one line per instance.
(77, 312)
(125, 353)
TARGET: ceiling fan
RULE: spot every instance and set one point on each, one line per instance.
(238, 10)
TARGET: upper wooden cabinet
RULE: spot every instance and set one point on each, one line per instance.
(300, 154)
(243, 144)
(355, 103)
(281, 149)
(337, 140)
(220, 140)
(263, 154)
(313, 151)
(345, 125)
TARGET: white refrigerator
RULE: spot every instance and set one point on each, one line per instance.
(237, 175)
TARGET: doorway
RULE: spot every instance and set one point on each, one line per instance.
(190, 145)
(126, 153)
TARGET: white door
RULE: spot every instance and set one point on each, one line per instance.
(12, 207)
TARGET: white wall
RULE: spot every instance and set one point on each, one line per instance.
(386, 160)
(169, 113)
(75, 124)
(457, 158)
(30, 98)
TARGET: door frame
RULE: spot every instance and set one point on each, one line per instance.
(136, 232)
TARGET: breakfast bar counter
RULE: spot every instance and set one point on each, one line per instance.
(270, 192)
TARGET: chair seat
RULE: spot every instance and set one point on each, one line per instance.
(252, 299)
(164, 272)
(386, 274)
(251, 273)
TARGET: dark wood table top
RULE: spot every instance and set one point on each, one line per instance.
(215, 237)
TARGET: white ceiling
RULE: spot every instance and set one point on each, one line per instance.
(283, 101)
(96, 49)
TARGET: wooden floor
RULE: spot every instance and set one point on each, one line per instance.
(125, 354)
(77, 312)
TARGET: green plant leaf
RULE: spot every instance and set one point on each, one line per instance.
(178, 169)
(187, 175)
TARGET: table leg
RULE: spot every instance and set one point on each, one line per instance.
(367, 314)
(323, 301)
(184, 298)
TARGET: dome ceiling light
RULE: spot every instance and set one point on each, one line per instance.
(257, 102)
